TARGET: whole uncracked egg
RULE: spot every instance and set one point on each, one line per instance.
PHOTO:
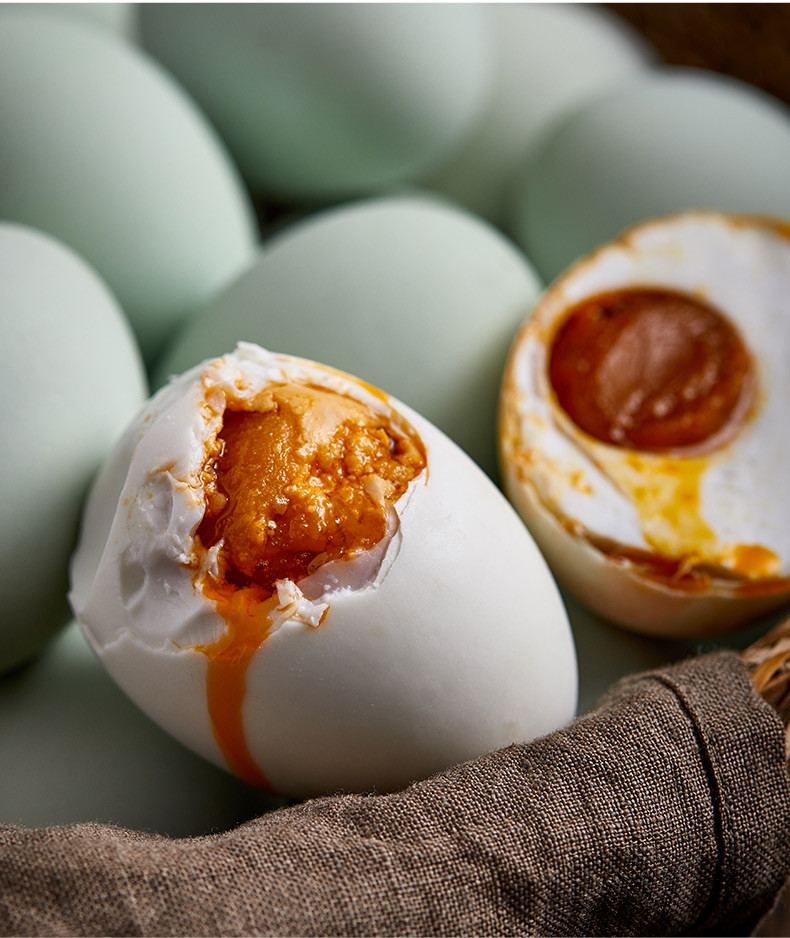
(309, 584)
(643, 429)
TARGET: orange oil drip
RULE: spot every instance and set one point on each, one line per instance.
(265, 503)
(245, 615)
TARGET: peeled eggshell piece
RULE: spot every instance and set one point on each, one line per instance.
(101, 149)
(72, 378)
(453, 641)
(667, 542)
(327, 101)
(669, 140)
(408, 292)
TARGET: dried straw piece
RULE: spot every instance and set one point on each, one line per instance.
(768, 659)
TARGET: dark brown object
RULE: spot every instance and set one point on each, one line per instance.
(768, 661)
(665, 811)
(749, 41)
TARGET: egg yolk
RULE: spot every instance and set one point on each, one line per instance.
(301, 476)
(306, 476)
(652, 370)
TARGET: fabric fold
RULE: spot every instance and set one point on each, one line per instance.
(663, 811)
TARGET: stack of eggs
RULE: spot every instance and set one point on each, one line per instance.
(369, 261)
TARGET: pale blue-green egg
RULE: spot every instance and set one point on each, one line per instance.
(329, 100)
(72, 377)
(100, 148)
(671, 140)
(76, 749)
(409, 293)
(121, 18)
(550, 58)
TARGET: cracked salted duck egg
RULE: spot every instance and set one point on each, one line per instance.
(309, 584)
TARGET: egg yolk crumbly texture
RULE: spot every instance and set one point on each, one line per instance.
(303, 478)
(651, 370)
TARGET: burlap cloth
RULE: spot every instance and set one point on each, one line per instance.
(664, 811)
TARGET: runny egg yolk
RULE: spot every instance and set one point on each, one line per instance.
(652, 370)
(302, 476)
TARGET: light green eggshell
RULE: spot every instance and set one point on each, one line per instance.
(76, 749)
(672, 140)
(550, 58)
(412, 294)
(324, 101)
(72, 378)
(119, 17)
(100, 148)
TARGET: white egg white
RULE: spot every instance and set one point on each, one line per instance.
(450, 642)
(576, 492)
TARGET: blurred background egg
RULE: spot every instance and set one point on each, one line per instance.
(119, 17)
(668, 140)
(327, 101)
(76, 749)
(71, 379)
(409, 293)
(100, 148)
(549, 59)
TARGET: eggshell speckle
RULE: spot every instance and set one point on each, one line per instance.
(71, 379)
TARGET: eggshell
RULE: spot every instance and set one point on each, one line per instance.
(550, 58)
(409, 293)
(100, 148)
(119, 17)
(71, 379)
(671, 140)
(456, 642)
(77, 750)
(326, 101)
(670, 543)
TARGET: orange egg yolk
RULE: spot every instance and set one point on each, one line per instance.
(301, 476)
(651, 369)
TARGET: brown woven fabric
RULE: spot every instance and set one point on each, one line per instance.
(664, 811)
